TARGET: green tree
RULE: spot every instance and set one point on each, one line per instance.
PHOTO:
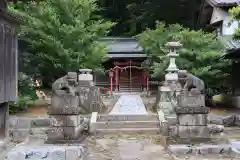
(134, 16)
(61, 36)
(235, 14)
(200, 54)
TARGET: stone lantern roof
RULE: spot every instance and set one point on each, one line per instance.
(173, 45)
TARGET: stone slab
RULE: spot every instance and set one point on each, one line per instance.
(46, 152)
(129, 104)
(40, 122)
(183, 149)
(192, 110)
(189, 131)
(191, 100)
(192, 119)
(66, 120)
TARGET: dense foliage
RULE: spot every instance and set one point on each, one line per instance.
(26, 94)
(235, 13)
(134, 16)
(60, 36)
(200, 54)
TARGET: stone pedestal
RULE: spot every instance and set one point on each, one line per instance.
(66, 122)
(191, 115)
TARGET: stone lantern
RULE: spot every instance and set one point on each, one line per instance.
(85, 77)
(172, 75)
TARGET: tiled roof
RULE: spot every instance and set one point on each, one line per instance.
(224, 2)
(123, 45)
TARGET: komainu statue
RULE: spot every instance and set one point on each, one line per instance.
(89, 97)
(74, 96)
(65, 84)
(189, 81)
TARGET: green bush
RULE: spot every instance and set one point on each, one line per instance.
(26, 94)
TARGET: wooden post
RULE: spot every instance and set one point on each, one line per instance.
(111, 80)
(116, 78)
(147, 81)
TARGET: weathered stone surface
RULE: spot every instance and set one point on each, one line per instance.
(73, 121)
(192, 119)
(181, 149)
(214, 128)
(213, 149)
(38, 131)
(58, 121)
(71, 133)
(40, 122)
(66, 104)
(19, 134)
(23, 123)
(166, 107)
(12, 122)
(55, 133)
(172, 119)
(46, 152)
(215, 119)
(192, 110)
(237, 120)
(164, 127)
(229, 120)
(187, 99)
(189, 131)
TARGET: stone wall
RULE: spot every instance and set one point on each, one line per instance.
(22, 127)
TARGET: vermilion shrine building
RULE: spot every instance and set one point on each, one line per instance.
(124, 71)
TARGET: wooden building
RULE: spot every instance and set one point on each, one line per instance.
(214, 16)
(8, 64)
(124, 70)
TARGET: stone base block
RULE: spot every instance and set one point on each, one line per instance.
(66, 120)
(192, 110)
(47, 152)
(71, 133)
(66, 104)
(189, 131)
(172, 119)
(19, 134)
(182, 149)
(40, 122)
(192, 119)
(38, 131)
(65, 133)
(55, 133)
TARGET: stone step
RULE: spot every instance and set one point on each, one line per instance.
(130, 89)
(127, 124)
(149, 117)
(151, 131)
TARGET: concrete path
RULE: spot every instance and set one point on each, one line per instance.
(129, 105)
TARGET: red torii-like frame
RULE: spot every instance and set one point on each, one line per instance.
(116, 70)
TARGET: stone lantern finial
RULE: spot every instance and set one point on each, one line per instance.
(172, 54)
